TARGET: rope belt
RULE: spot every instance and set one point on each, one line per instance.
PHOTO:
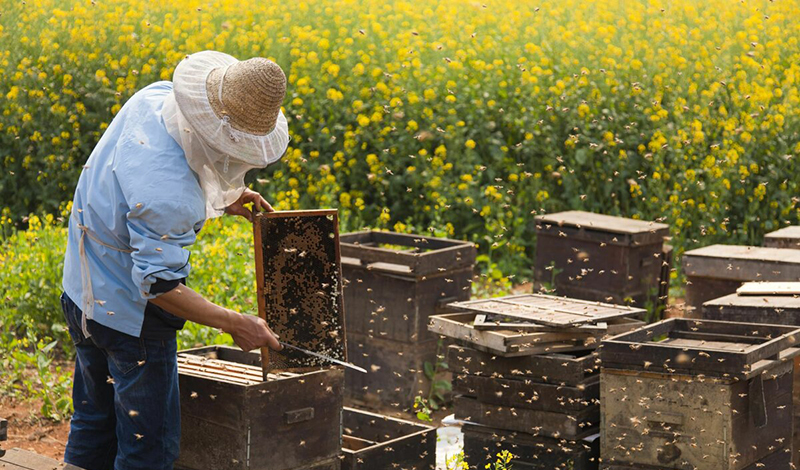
(86, 278)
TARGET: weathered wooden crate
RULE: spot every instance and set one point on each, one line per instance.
(600, 257)
(682, 422)
(395, 281)
(482, 444)
(377, 442)
(564, 369)
(395, 372)
(787, 237)
(18, 459)
(290, 421)
(525, 394)
(555, 424)
(770, 309)
(718, 270)
(533, 324)
(682, 394)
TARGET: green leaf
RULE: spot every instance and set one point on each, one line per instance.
(429, 371)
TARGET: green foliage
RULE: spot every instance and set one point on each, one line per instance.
(471, 125)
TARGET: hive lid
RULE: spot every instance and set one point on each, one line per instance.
(632, 230)
(298, 275)
(769, 288)
(791, 232)
(547, 310)
(745, 263)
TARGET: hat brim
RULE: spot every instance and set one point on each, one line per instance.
(191, 95)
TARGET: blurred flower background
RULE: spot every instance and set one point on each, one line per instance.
(457, 118)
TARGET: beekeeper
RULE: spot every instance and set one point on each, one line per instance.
(175, 156)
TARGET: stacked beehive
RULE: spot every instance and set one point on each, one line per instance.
(774, 303)
(526, 377)
(393, 283)
(275, 411)
(599, 257)
(698, 394)
(718, 270)
(787, 237)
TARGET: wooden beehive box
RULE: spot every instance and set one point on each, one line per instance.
(523, 325)
(395, 281)
(600, 257)
(482, 444)
(557, 368)
(18, 459)
(376, 442)
(769, 309)
(787, 237)
(396, 372)
(291, 421)
(233, 418)
(683, 394)
(718, 270)
(551, 395)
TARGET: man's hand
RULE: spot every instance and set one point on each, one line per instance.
(259, 203)
(250, 332)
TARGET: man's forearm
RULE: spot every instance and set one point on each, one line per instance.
(186, 303)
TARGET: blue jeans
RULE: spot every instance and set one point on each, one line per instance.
(127, 405)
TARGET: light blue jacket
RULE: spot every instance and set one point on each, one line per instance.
(136, 194)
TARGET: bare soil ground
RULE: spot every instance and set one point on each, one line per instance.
(26, 430)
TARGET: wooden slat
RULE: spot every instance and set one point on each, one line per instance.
(18, 459)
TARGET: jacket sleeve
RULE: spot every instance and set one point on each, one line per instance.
(160, 230)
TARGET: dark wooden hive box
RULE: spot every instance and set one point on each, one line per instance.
(395, 281)
(601, 257)
(482, 444)
(396, 372)
(787, 237)
(553, 395)
(770, 309)
(684, 394)
(378, 442)
(570, 369)
(291, 421)
(718, 270)
(18, 459)
(233, 416)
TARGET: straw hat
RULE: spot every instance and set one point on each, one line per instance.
(235, 106)
(252, 94)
